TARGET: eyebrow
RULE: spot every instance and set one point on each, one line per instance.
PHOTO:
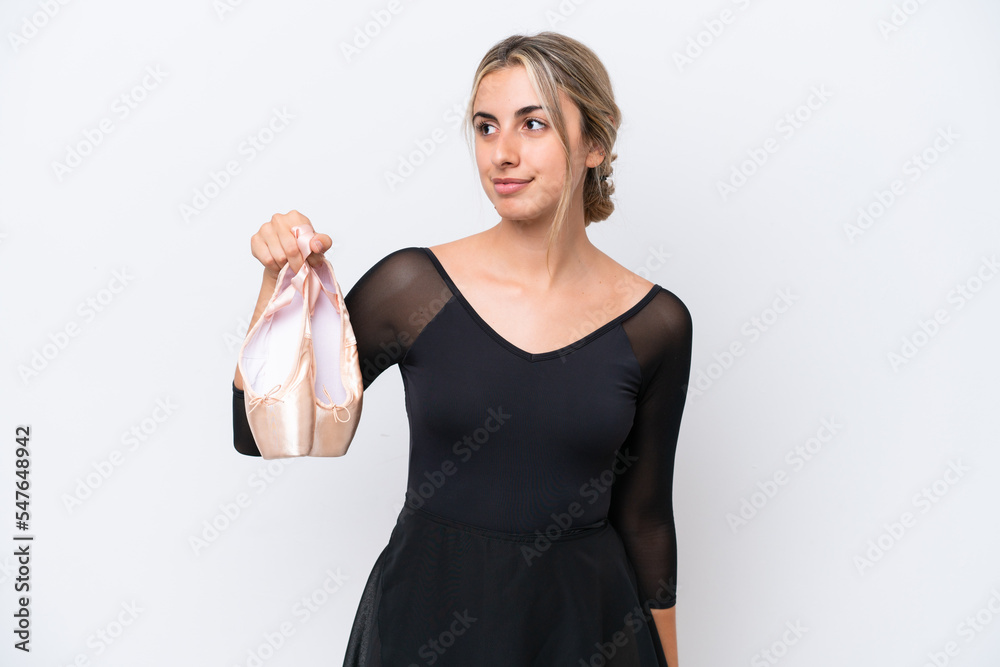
(523, 111)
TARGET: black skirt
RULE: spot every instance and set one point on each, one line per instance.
(448, 594)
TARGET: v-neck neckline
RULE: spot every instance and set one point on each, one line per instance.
(536, 356)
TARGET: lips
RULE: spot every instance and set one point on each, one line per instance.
(506, 186)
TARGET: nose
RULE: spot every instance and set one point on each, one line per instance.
(505, 149)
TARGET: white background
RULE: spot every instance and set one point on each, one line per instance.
(169, 330)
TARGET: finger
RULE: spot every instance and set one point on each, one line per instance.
(266, 248)
(264, 255)
(319, 244)
(286, 237)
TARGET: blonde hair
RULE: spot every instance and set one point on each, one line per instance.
(556, 62)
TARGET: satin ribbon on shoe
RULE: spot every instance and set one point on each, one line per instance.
(336, 415)
(306, 282)
(267, 398)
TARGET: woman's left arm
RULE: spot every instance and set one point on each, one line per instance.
(642, 495)
(666, 627)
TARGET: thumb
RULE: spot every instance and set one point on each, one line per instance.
(320, 243)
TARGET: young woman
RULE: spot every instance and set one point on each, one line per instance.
(544, 386)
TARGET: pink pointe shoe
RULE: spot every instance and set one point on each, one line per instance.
(301, 374)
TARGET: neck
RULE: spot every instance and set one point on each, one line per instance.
(518, 249)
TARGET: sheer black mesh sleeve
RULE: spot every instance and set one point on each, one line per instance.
(641, 498)
(388, 306)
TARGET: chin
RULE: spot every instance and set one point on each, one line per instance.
(519, 213)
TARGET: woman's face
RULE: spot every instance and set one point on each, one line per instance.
(515, 142)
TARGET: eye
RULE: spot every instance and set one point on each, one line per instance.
(535, 120)
(479, 127)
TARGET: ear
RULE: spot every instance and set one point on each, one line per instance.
(596, 155)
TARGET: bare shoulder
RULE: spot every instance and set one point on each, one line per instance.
(629, 284)
(457, 246)
(459, 254)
